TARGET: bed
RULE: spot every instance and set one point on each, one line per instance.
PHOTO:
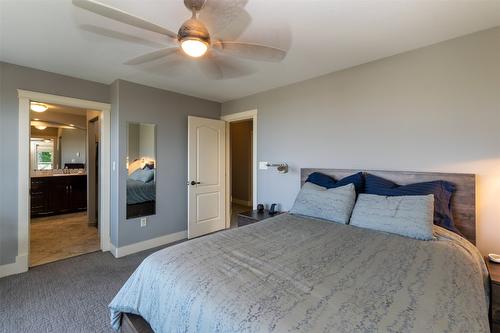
(141, 198)
(292, 273)
(140, 192)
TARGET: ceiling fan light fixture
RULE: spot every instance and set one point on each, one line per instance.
(194, 47)
(38, 107)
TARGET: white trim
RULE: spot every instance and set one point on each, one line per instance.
(251, 114)
(242, 202)
(123, 251)
(67, 101)
(240, 116)
(105, 181)
(23, 196)
(25, 97)
(20, 266)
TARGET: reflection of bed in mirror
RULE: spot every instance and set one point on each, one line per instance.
(141, 190)
(141, 177)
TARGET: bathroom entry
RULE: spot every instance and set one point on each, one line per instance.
(64, 178)
(241, 146)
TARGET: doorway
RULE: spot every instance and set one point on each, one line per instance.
(72, 167)
(240, 142)
(241, 166)
(63, 179)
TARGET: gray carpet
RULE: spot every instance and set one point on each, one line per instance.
(71, 295)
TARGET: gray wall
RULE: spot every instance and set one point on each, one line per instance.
(133, 142)
(169, 111)
(147, 141)
(432, 109)
(73, 146)
(130, 102)
(14, 77)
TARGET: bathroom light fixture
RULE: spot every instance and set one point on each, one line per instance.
(38, 107)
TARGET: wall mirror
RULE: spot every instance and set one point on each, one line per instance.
(141, 167)
(62, 147)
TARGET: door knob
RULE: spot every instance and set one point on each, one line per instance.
(194, 183)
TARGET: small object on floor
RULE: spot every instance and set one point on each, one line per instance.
(273, 209)
(253, 216)
(494, 257)
(260, 208)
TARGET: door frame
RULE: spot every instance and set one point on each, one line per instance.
(245, 115)
(23, 231)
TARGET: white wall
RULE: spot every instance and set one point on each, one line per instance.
(432, 109)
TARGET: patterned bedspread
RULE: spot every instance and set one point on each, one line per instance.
(296, 274)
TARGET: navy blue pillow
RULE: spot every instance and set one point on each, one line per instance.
(441, 189)
(326, 181)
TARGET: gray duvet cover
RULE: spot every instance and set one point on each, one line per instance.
(138, 192)
(296, 274)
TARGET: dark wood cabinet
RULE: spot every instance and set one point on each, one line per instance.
(58, 195)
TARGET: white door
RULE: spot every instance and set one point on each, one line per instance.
(206, 176)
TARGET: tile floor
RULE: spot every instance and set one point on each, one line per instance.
(57, 237)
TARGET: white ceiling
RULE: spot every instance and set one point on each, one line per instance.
(322, 36)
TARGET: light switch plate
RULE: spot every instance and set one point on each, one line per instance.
(144, 222)
(263, 165)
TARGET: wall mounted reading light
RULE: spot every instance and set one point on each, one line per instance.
(281, 167)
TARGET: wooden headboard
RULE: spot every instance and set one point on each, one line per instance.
(463, 201)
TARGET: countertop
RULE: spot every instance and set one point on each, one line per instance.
(60, 175)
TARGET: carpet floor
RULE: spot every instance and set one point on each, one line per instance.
(71, 295)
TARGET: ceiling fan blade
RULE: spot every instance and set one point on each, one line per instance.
(226, 19)
(121, 16)
(209, 66)
(121, 36)
(152, 56)
(234, 68)
(250, 51)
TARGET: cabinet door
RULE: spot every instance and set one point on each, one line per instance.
(40, 197)
(60, 194)
(78, 193)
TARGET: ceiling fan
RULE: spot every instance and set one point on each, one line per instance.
(193, 38)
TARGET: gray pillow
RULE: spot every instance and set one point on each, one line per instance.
(142, 175)
(410, 215)
(334, 204)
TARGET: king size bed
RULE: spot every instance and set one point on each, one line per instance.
(304, 274)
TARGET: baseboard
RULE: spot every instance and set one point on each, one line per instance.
(119, 252)
(242, 202)
(20, 266)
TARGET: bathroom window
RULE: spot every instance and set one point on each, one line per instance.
(42, 152)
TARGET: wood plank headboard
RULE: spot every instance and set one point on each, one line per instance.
(463, 201)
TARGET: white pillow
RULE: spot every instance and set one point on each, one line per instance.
(410, 216)
(334, 204)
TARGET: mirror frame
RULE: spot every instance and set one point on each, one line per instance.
(145, 209)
